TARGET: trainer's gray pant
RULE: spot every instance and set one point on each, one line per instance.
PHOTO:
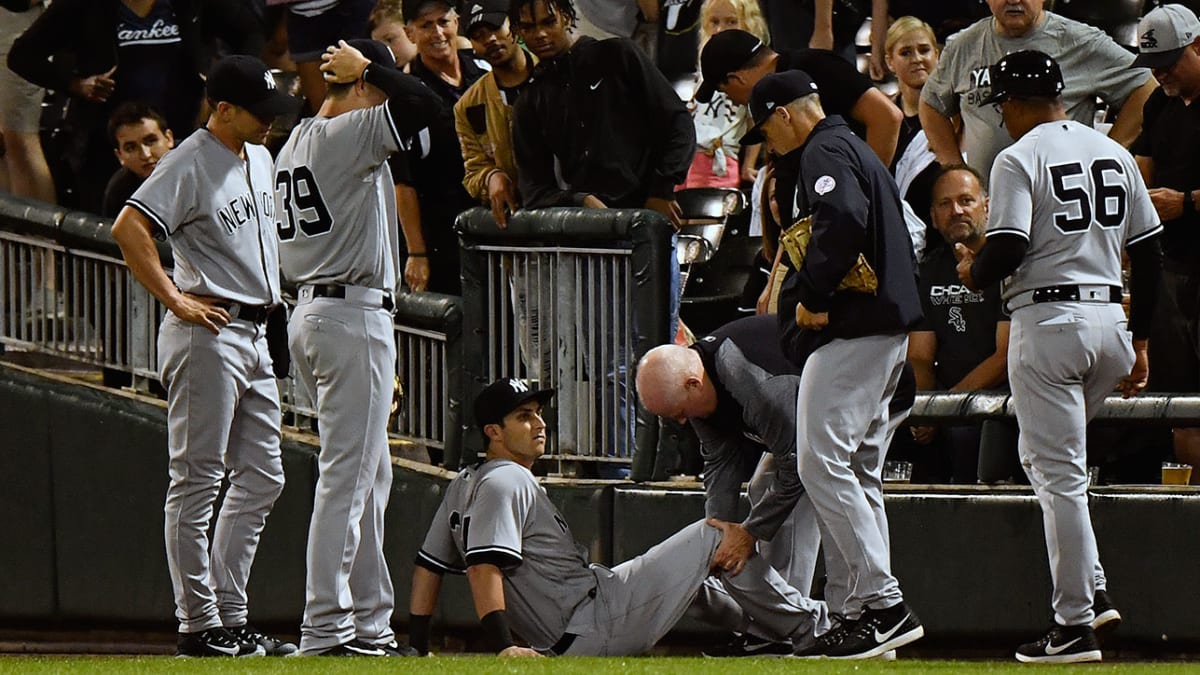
(1064, 358)
(345, 357)
(222, 420)
(842, 423)
(638, 601)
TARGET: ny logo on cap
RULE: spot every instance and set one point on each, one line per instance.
(476, 9)
(1148, 40)
(269, 80)
(518, 386)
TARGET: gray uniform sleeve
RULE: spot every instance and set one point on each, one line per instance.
(368, 134)
(1011, 195)
(773, 415)
(729, 461)
(495, 521)
(168, 197)
(438, 553)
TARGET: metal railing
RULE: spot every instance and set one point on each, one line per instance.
(85, 306)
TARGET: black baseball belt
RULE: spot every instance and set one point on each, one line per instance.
(1098, 293)
(256, 314)
(352, 293)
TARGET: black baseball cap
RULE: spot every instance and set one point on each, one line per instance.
(247, 83)
(502, 397)
(491, 13)
(772, 91)
(411, 9)
(726, 52)
(1024, 74)
(375, 51)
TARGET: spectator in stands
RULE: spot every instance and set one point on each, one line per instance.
(599, 126)
(734, 61)
(140, 137)
(1092, 64)
(429, 175)
(23, 169)
(105, 52)
(1168, 153)
(386, 23)
(962, 343)
(483, 116)
(719, 122)
(945, 16)
(911, 52)
(313, 25)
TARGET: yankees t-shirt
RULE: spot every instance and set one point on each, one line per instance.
(964, 321)
(155, 66)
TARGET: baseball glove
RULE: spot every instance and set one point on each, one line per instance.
(860, 279)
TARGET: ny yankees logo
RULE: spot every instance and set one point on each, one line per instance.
(518, 386)
(956, 320)
(269, 80)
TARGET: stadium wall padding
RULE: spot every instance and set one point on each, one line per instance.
(83, 476)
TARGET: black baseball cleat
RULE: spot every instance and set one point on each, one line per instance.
(395, 648)
(247, 634)
(354, 647)
(1063, 644)
(1108, 618)
(745, 645)
(214, 642)
(839, 628)
(877, 632)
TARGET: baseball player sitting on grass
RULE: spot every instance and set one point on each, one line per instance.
(1066, 200)
(528, 577)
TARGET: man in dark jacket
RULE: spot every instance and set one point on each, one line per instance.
(598, 125)
(851, 342)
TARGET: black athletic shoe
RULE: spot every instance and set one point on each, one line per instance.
(395, 648)
(839, 628)
(749, 645)
(1107, 617)
(215, 642)
(246, 634)
(1063, 644)
(878, 631)
(354, 647)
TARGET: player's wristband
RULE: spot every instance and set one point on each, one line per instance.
(418, 632)
(495, 631)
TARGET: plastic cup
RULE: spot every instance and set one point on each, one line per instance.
(897, 472)
(1176, 474)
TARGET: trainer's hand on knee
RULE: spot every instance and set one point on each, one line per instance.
(737, 545)
(515, 651)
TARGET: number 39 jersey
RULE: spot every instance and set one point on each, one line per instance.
(335, 203)
(1078, 197)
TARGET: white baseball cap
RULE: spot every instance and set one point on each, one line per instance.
(1163, 34)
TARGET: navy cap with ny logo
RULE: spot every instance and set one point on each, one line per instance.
(503, 396)
(246, 82)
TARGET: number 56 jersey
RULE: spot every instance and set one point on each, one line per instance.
(1077, 197)
(335, 203)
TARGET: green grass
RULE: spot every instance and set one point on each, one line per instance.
(487, 665)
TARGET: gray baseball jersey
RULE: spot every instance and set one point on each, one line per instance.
(222, 400)
(1092, 64)
(497, 513)
(1050, 187)
(337, 210)
(218, 213)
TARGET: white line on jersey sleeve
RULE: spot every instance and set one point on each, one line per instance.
(1144, 235)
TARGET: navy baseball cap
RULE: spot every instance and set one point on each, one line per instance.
(1163, 34)
(246, 82)
(726, 52)
(375, 51)
(502, 397)
(490, 13)
(411, 10)
(1024, 74)
(772, 91)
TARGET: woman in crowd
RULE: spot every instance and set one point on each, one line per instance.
(720, 123)
(911, 52)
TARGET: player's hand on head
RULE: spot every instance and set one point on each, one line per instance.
(515, 651)
(202, 310)
(342, 63)
(416, 273)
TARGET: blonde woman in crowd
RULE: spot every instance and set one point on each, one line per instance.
(911, 52)
(720, 123)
